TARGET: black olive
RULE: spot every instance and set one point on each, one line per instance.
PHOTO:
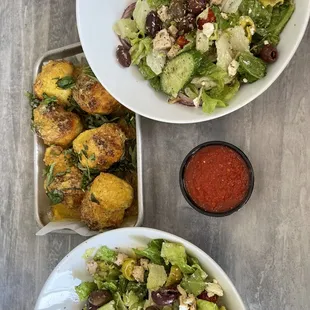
(269, 53)
(186, 24)
(98, 298)
(196, 6)
(204, 296)
(178, 9)
(153, 24)
(165, 296)
(123, 56)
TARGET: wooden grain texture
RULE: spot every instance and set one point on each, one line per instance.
(264, 248)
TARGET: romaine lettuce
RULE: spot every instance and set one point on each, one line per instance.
(251, 68)
(140, 13)
(230, 6)
(152, 251)
(109, 306)
(126, 28)
(119, 304)
(206, 305)
(155, 83)
(84, 289)
(260, 14)
(157, 276)
(194, 283)
(105, 254)
(209, 104)
(140, 49)
(139, 289)
(146, 71)
(156, 60)
(271, 2)
(130, 298)
(175, 254)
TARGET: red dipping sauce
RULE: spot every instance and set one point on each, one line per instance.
(217, 178)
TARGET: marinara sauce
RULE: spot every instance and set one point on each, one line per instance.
(217, 178)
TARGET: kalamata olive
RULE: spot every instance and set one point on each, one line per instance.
(153, 24)
(196, 6)
(123, 56)
(178, 9)
(98, 298)
(204, 296)
(186, 24)
(165, 296)
(269, 53)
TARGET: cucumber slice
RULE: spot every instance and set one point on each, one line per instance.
(178, 72)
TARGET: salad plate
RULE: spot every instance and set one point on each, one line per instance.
(96, 20)
(59, 289)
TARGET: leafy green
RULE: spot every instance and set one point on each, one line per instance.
(271, 2)
(191, 91)
(157, 276)
(88, 253)
(280, 16)
(66, 82)
(49, 174)
(33, 100)
(97, 120)
(152, 251)
(111, 286)
(251, 67)
(140, 13)
(107, 271)
(48, 99)
(195, 283)
(156, 4)
(174, 277)
(130, 298)
(225, 93)
(206, 305)
(223, 24)
(140, 49)
(56, 196)
(109, 306)
(119, 304)
(84, 289)
(105, 254)
(126, 28)
(208, 103)
(146, 71)
(93, 198)
(175, 254)
(155, 83)
(260, 14)
(138, 288)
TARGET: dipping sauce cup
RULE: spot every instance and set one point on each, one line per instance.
(216, 178)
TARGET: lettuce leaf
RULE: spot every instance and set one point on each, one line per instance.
(146, 71)
(156, 4)
(226, 93)
(209, 104)
(111, 285)
(130, 298)
(109, 306)
(119, 304)
(271, 2)
(126, 28)
(152, 252)
(105, 254)
(156, 60)
(140, 13)
(194, 283)
(230, 6)
(140, 49)
(206, 305)
(175, 254)
(251, 67)
(139, 289)
(157, 276)
(84, 289)
(231, 21)
(260, 14)
(107, 271)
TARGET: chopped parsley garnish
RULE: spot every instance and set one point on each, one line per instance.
(56, 196)
(93, 198)
(66, 82)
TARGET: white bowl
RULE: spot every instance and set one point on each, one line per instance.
(58, 291)
(95, 19)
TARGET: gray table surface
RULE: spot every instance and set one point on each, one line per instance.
(264, 248)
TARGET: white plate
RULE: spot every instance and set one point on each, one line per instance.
(58, 291)
(95, 20)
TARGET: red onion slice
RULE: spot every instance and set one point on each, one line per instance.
(129, 10)
(184, 100)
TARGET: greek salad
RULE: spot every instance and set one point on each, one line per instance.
(159, 277)
(199, 52)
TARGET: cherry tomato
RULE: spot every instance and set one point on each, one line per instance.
(181, 41)
(210, 19)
